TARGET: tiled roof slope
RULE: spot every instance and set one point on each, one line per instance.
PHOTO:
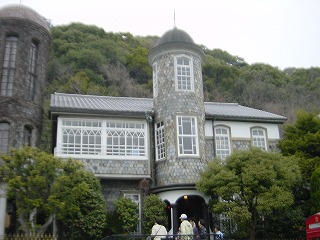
(90, 104)
(232, 111)
(75, 103)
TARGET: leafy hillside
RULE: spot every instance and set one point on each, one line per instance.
(87, 60)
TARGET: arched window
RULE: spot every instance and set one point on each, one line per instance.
(4, 137)
(27, 136)
(9, 65)
(222, 142)
(184, 73)
(259, 138)
(32, 70)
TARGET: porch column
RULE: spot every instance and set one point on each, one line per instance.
(175, 225)
(3, 207)
(205, 213)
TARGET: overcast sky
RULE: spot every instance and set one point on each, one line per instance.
(282, 33)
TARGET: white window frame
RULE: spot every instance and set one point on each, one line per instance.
(259, 138)
(184, 79)
(135, 197)
(155, 79)
(160, 141)
(222, 141)
(187, 135)
(91, 138)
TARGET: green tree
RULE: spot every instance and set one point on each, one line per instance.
(302, 139)
(79, 202)
(29, 174)
(126, 216)
(153, 207)
(315, 191)
(43, 185)
(249, 185)
(81, 84)
(139, 68)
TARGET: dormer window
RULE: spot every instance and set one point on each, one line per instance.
(183, 73)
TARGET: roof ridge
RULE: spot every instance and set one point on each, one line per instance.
(222, 103)
(98, 96)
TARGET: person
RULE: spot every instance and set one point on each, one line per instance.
(186, 230)
(158, 231)
(202, 229)
(218, 235)
(194, 228)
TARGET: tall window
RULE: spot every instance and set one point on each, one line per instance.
(27, 136)
(32, 70)
(222, 139)
(187, 135)
(135, 198)
(9, 66)
(4, 137)
(184, 75)
(155, 80)
(160, 143)
(259, 138)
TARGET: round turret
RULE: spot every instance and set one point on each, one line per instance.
(175, 39)
(24, 51)
(178, 103)
(24, 13)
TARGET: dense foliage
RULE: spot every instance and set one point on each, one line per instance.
(249, 186)
(79, 202)
(153, 208)
(302, 139)
(315, 191)
(125, 218)
(44, 187)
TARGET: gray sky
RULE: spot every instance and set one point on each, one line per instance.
(282, 33)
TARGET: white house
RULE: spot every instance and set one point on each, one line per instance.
(142, 145)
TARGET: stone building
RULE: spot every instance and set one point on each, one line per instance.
(138, 146)
(24, 50)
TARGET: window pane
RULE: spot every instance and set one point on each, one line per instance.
(259, 138)
(32, 70)
(183, 71)
(4, 137)
(27, 136)
(222, 142)
(160, 143)
(8, 67)
(187, 135)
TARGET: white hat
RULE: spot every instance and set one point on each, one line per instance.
(183, 216)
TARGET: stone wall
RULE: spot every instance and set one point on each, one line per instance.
(170, 103)
(18, 110)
